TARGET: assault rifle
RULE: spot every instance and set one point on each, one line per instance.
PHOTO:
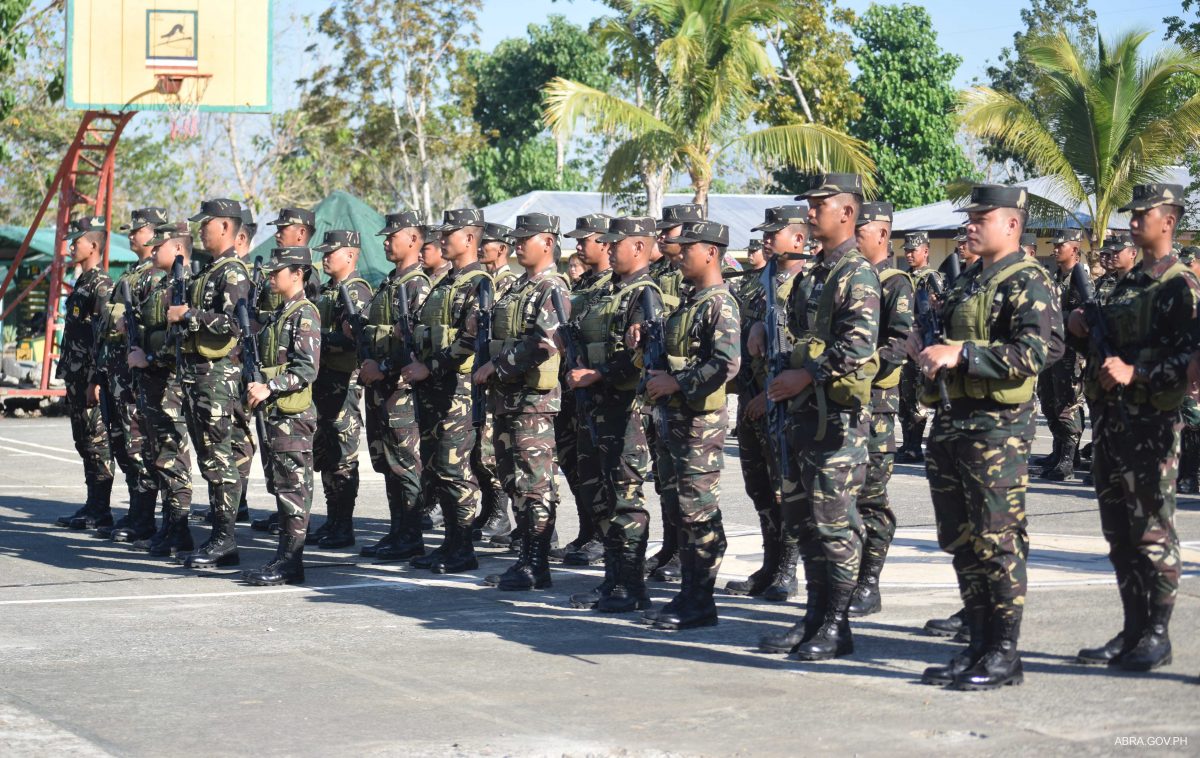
(583, 395)
(776, 364)
(132, 339)
(483, 338)
(408, 342)
(929, 319)
(654, 357)
(1098, 333)
(355, 317)
(252, 372)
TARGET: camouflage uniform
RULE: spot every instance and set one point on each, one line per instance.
(1060, 390)
(664, 274)
(913, 415)
(483, 452)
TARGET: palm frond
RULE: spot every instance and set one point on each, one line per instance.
(567, 101)
(810, 147)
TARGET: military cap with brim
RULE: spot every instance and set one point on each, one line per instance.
(458, 218)
(394, 222)
(1067, 235)
(827, 185)
(586, 226)
(754, 246)
(290, 216)
(913, 240)
(1147, 196)
(282, 257)
(430, 233)
(531, 224)
(702, 231)
(1028, 239)
(676, 215)
(497, 233)
(629, 226)
(988, 197)
(1188, 254)
(1117, 242)
(336, 239)
(142, 217)
(85, 225)
(220, 207)
(961, 234)
(875, 210)
(782, 217)
(169, 231)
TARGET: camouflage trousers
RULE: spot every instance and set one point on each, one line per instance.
(668, 493)
(289, 447)
(336, 396)
(1134, 469)
(819, 512)
(525, 460)
(393, 443)
(483, 465)
(168, 448)
(566, 441)
(1060, 393)
(212, 391)
(446, 440)
(691, 458)
(874, 508)
(760, 469)
(127, 433)
(243, 441)
(89, 434)
(977, 482)
(913, 415)
(612, 473)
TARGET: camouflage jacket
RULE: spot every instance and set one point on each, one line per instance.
(924, 276)
(83, 325)
(415, 290)
(534, 346)
(621, 364)
(336, 346)
(214, 313)
(1104, 285)
(140, 278)
(715, 329)
(298, 345)
(153, 337)
(895, 325)
(503, 280)
(464, 315)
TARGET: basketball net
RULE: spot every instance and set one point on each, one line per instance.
(182, 94)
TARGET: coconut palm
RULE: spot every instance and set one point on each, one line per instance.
(691, 65)
(1108, 123)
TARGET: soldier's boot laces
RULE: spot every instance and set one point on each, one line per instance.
(696, 607)
(96, 512)
(534, 574)
(141, 518)
(814, 613)
(612, 567)
(523, 545)
(1134, 607)
(427, 560)
(866, 598)
(629, 594)
(1153, 649)
(492, 521)
(947, 627)
(460, 556)
(432, 519)
(221, 549)
(757, 582)
(590, 553)
(1064, 470)
(1000, 664)
(783, 580)
(287, 567)
(341, 534)
(976, 625)
(832, 639)
(505, 539)
(177, 534)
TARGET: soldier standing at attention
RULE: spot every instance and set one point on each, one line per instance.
(872, 232)
(433, 254)
(448, 322)
(1002, 323)
(1136, 394)
(833, 315)
(289, 351)
(703, 348)
(1029, 244)
(85, 310)
(211, 380)
(243, 439)
(522, 376)
(1060, 386)
(913, 415)
(1189, 439)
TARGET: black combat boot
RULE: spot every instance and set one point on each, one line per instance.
(696, 609)
(534, 573)
(427, 560)
(409, 541)
(524, 549)
(590, 553)
(505, 539)
(670, 607)
(221, 548)
(243, 509)
(158, 537)
(1153, 648)
(947, 627)
(96, 512)
(832, 639)
(612, 567)
(460, 554)
(976, 625)
(814, 613)
(396, 528)
(1189, 462)
(629, 593)
(331, 512)
(1000, 663)
(1064, 469)
(492, 520)
(432, 518)
(1135, 610)
(667, 555)
(268, 524)
(341, 533)
(783, 581)
(758, 581)
(866, 598)
(177, 535)
(105, 531)
(287, 567)
(141, 518)
(1049, 460)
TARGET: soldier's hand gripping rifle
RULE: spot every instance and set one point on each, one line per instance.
(355, 318)
(132, 339)
(408, 342)
(583, 395)
(929, 320)
(258, 278)
(776, 363)
(654, 357)
(178, 297)
(252, 372)
(483, 338)
(1098, 334)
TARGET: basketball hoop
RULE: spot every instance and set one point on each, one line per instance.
(182, 93)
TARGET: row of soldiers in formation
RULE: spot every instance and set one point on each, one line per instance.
(623, 378)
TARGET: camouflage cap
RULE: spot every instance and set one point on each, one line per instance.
(874, 211)
(827, 185)
(531, 224)
(82, 226)
(961, 234)
(1028, 239)
(913, 240)
(430, 233)
(282, 257)
(142, 217)
(289, 216)
(220, 207)
(782, 217)
(987, 197)
(1188, 254)
(1115, 243)
(336, 239)
(810, 245)
(248, 222)
(458, 218)
(629, 226)
(676, 215)
(497, 233)
(394, 222)
(754, 245)
(1067, 235)
(702, 231)
(592, 223)
(169, 231)
(1147, 196)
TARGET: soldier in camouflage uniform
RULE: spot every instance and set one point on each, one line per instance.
(1189, 438)
(833, 316)
(785, 232)
(445, 335)
(913, 415)
(522, 380)
(1060, 386)
(702, 345)
(243, 439)
(1136, 394)
(872, 233)
(1029, 244)
(433, 255)
(964, 252)
(393, 435)
(87, 406)
(1002, 326)
(211, 379)
(336, 392)
(289, 352)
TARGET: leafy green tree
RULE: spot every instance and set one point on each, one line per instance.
(907, 118)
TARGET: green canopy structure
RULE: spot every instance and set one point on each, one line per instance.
(41, 247)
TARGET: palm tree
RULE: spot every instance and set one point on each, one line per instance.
(1107, 124)
(691, 65)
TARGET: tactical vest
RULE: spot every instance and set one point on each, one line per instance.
(1130, 321)
(504, 279)
(599, 328)
(382, 315)
(580, 298)
(509, 323)
(889, 377)
(154, 321)
(670, 284)
(208, 345)
(272, 355)
(682, 350)
(344, 361)
(436, 330)
(116, 308)
(969, 320)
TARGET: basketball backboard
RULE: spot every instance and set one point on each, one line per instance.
(147, 54)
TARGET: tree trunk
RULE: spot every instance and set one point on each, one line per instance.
(655, 181)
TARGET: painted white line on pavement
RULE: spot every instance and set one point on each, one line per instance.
(42, 455)
(69, 450)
